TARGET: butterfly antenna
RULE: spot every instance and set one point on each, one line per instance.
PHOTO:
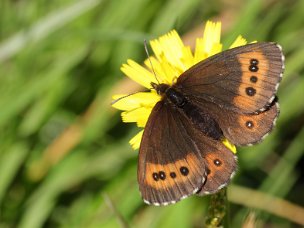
(147, 52)
(118, 99)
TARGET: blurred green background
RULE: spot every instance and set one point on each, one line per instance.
(65, 160)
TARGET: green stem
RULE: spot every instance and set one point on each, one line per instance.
(217, 210)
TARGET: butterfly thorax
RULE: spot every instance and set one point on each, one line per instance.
(201, 119)
(172, 94)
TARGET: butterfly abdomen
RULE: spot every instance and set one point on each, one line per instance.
(203, 121)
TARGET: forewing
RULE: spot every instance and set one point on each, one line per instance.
(243, 79)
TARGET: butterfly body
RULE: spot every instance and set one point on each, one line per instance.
(199, 118)
(231, 96)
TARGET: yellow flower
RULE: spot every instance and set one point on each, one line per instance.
(171, 59)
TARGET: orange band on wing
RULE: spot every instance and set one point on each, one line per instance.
(161, 176)
(253, 79)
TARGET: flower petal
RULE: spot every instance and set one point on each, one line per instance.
(138, 73)
(229, 145)
(135, 141)
(210, 43)
(138, 115)
(188, 58)
(169, 48)
(240, 41)
(136, 100)
(164, 72)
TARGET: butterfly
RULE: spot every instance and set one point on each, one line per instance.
(230, 95)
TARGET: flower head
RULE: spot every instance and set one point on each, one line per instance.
(171, 59)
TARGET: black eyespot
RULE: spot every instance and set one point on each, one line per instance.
(217, 162)
(254, 61)
(155, 176)
(253, 79)
(162, 175)
(249, 124)
(173, 174)
(250, 91)
(184, 170)
(253, 68)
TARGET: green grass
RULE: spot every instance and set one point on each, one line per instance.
(65, 160)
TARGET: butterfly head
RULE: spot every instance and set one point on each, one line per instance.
(160, 88)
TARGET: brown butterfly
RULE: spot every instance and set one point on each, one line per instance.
(231, 96)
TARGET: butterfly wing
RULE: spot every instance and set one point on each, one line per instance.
(221, 167)
(163, 153)
(239, 128)
(174, 157)
(248, 129)
(243, 79)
